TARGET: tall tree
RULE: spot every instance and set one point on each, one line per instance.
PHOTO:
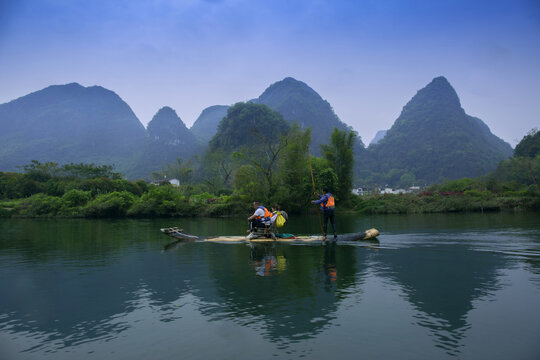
(339, 154)
(294, 177)
(265, 159)
(218, 167)
(256, 135)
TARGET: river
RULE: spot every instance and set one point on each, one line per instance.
(442, 286)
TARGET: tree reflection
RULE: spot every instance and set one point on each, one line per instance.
(70, 281)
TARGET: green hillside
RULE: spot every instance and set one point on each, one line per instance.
(434, 139)
(299, 103)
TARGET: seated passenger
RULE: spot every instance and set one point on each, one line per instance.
(275, 212)
(261, 218)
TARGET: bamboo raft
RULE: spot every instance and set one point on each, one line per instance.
(179, 234)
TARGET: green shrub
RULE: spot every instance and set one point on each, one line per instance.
(204, 198)
(75, 198)
(10, 185)
(8, 207)
(39, 205)
(95, 186)
(160, 201)
(114, 204)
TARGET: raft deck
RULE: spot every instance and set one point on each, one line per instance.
(179, 234)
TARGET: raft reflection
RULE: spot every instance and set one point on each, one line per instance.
(293, 293)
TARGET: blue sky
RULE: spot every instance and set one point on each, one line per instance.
(366, 58)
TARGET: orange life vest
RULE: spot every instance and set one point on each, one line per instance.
(330, 203)
(267, 215)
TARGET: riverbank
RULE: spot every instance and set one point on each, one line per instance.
(167, 201)
(446, 202)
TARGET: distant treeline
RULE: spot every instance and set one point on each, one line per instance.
(275, 169)
(34, 194)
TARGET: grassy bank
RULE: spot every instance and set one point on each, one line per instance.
(158, 201)
(168, 201)
(440, 202)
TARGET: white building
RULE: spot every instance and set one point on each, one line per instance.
(360, 191)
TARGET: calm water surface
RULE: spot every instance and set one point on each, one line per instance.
(433, 287)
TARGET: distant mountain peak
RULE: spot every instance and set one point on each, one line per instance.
(69, 123)
(69, 85)
(440, 80)
(435, 139)
(167, 127)
(289, 85)
(166, 113)
(439, 92)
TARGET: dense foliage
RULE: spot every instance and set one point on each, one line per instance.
(529, 146)
(246, 125)
(276, 169)
(46, 189)
(87, 190)
(340, 156)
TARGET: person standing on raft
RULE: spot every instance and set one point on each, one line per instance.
(328, 205)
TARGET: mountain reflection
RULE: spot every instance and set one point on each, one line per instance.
(442, 284)
(72, 282)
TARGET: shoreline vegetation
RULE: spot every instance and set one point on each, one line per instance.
(272, 172)
(107, 197)
(166, 201)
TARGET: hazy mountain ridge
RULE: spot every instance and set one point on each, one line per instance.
(68, 123)
(378, 137)
(432, 139)
(167, 128)
(205, 127)
(167, 139)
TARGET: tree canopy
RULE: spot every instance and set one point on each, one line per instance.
(529, 146)
(247, 125)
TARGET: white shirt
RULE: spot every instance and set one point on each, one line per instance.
(260, 212)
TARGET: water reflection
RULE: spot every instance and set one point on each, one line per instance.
(70, 289)
(442, 284)
(296, 302)
(76, 282)
(265, 259)
(329, 266)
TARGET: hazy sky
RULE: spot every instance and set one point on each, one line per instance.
(367, 58)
